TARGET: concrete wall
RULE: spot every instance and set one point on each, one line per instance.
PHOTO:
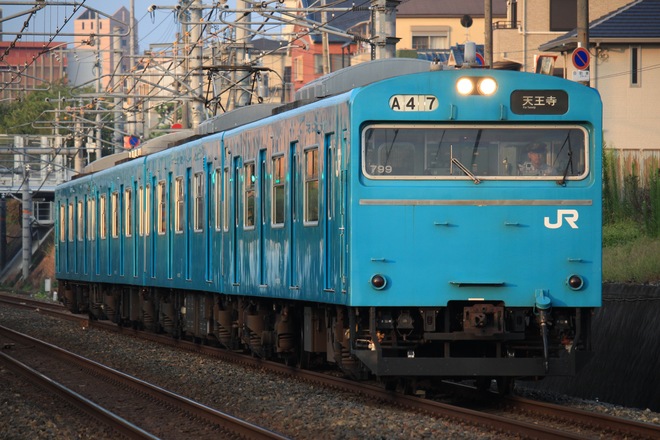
(625, 369)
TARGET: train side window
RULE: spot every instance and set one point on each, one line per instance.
(249, 195)
(311, 189)
(103, 217)
(225, 199)
(70, 222)
(279, 176)
(62, 223)
(140, 212)
(179, 205)
(217, 198)
(198, 207)
(147, 210)
(162, 207)
(80, 219)
(114, 206)
(91, 218)
(128, 212)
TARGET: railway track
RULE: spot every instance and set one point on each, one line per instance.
(131, 407)
(514, 416)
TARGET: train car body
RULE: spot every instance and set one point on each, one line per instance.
(400, 228)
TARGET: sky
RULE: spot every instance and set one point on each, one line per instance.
(157, 27)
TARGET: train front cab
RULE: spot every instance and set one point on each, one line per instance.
(464, 264)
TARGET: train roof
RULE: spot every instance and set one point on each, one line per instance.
(360, 75)
(332, 84)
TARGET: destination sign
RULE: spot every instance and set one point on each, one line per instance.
(539, 102)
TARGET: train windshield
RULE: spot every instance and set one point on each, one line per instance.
(475, 152)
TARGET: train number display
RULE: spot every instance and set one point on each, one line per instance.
(413, 103)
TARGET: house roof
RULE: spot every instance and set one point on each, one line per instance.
(338, 20)
(636, 22)
(452, 56)
(448, 8)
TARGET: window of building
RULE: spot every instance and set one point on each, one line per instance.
(311, 189)
(563, 15)
(298, 68)
(430, 37)
(198, 207)
(635, 64)
(103, 217)
(278, 190)
(335, 63)
(250, 195)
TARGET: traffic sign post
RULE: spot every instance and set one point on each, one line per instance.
(581, 58)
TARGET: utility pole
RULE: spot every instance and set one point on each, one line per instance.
(384, 23)
(583, 28)
(27, 218)
(116, 86)
(196, 54)
(326, 42)
(488, 33)
(242, 96)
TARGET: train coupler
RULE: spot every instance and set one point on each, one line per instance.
(543, 306)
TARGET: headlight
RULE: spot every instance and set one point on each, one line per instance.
(465, 86)
(487, 86)
(473, 85)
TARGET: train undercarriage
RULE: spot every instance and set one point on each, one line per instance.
(481, 341)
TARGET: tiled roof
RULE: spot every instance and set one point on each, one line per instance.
(448, 8)
(339, 20)
(454, 54)
(638, 22)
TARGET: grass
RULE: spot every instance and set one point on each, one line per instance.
(630, 254)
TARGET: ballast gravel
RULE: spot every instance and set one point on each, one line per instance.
(294, 409)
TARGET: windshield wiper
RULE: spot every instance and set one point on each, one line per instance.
(569, 164)
(467, 172)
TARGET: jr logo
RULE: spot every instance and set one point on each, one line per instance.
(570, 215)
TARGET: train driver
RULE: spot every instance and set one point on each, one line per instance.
(536, 165)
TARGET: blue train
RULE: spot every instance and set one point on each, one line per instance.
(400, 221)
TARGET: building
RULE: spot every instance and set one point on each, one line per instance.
(625, 68)
(102, 47)
(430, 25)
(29, 66)
(532, 23)
(307, 45)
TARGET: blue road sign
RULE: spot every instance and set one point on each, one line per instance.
(581, 58)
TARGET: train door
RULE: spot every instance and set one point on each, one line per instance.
(236, 219)
(329, 225)
(187, 223)
(294, 226)
(261, 216)
(209, 227)
(342, 215)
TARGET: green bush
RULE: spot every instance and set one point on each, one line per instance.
(621, 232)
